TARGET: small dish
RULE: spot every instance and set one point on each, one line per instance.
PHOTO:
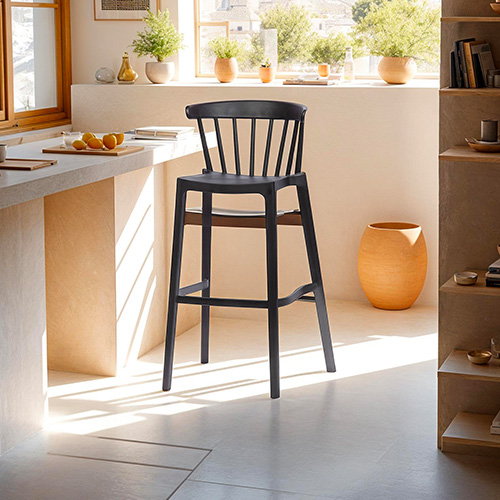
(465, 278)
(495, 7)
(479, 357)
(482, 147)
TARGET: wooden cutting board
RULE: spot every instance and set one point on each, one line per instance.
(118, 151)
(25, 164)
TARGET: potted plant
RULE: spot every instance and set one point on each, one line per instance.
(329, 52)
(226, 66)
(267, 72)
(400, 31)
(159, 39)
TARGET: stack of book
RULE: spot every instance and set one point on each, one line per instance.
(495, 425)
(164, 133)
(493, 274)
(469, 64)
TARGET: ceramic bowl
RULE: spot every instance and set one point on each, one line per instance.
(482, 147)
(479, 357)
(465, 278)
(495, 7)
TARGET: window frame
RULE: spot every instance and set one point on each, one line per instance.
(45, 117)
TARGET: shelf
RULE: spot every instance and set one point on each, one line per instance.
(457, 365)
(479, 288)
(483, 92)
(470, 19)
(470, 430)
(465, 153)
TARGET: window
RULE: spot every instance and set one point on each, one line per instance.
(35, 74)
(247, 21)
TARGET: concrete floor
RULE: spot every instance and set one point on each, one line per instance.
(367, 431)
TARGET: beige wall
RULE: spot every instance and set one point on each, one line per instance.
(370, 155)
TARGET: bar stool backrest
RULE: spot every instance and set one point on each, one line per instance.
(290, 148)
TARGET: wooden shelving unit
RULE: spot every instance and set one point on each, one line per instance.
(469, 207)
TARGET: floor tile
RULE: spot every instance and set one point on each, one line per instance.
(125, 451)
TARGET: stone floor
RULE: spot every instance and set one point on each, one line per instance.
(367, 431)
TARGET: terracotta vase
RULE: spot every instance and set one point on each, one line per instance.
(392, 264)
(226, 70)
(397, 70)
(324, 70)
(267, 75)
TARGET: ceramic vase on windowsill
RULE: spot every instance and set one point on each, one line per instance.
(392, 264)
(160, 72)
(226, 70)
(397, 70)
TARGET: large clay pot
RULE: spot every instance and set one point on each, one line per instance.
(397, 70)
(160, 72)
(392, 264)
(226, 70)
(267, 75)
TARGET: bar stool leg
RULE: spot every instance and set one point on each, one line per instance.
(272, 292)
(175, 274)
(315, 269)
(206, 253)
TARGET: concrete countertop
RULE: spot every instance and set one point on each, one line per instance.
(77, 170)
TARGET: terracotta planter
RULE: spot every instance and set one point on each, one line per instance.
(392, 264)
(324, 70)
(397, 70)
(226, 70)
(160, 72)
(267, 75)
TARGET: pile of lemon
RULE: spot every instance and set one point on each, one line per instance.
(108, 141)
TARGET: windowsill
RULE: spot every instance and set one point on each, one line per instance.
(255, 82)
(17, 135)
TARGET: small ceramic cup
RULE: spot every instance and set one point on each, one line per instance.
(3, 152)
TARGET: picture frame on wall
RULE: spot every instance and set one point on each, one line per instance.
(124, 10)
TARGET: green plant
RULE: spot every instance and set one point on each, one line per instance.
(159, 39)
(331, 49)
(362, 7)
(224, 48)
(266, 64)
(401, 28)
(293, 25)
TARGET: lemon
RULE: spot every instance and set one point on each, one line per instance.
(109, 140)
(87, 136)
(120, 137)
(95, 143)
(79, 145)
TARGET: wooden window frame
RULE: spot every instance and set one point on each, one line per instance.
(11, 120)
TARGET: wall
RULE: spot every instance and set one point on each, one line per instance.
(370, 155)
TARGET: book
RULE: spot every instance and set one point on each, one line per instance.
(495, 430)
(470, 64)
(480, 82)
(310, 82)
(495, 267)
(493, 277)
(460, 61)
(163, 132)
(496, 420)
(453, 71)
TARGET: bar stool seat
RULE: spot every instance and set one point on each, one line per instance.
(267, 185)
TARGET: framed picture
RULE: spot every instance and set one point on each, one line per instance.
(123, 10)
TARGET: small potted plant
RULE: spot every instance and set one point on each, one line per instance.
(226, 65)
(267, 72)
(401, 31)
(159, 39)
(329, 52)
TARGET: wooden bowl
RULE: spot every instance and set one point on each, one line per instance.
(465, 278)
(481, 147)
(495, 7)
(479, 357)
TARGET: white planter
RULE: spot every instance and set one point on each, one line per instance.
(160, 72)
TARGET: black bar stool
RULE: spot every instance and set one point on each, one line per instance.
(291, 115)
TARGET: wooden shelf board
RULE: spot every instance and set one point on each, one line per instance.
(483, 92)
(479, 288)
(457, 365)
(465, 153)
(470, 429)
(470, 19)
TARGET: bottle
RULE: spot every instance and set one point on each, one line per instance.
(126, 73)
(348, 73)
